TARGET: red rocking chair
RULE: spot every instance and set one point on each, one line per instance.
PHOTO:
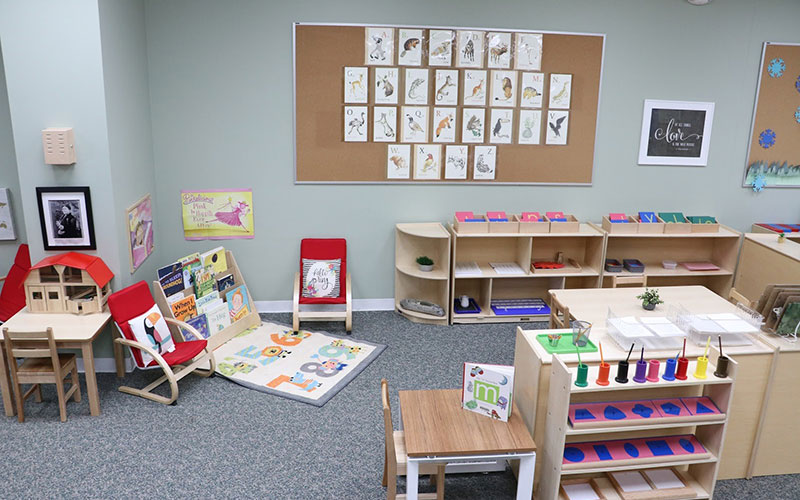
(323, 279)
(12, 296)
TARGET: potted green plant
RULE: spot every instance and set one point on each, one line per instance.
(650, 299)
(425, 263)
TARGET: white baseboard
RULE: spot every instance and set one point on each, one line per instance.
(279, 306)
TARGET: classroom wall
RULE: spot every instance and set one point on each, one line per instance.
(221, 104)
(8, 177)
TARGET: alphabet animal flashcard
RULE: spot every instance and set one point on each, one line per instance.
(499, 50)
(557, 127)
(379, 46)
(528, 51)
(469, 48)
(386, 87)
(446, 87)
(475, 87)
(398, 161)
(409, 47)
(384, 124)
(355, 123)
(355, 85)
(414, 124)
(440, 48)
(427, 161)
(444, 123)
(455, 162)
(530, 125)
(473, 125)
(532, 86)
(560, 91)
(504, 88)
(484, 163)
(501, 124)
(416, 86)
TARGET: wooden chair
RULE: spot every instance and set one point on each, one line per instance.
(12, 295)
(556, 309)
(736, 297)
(635, 280)
(186, 358)
(42, 365)
(395, 460)
(323, 249)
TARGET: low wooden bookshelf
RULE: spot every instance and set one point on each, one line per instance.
(251, 320)
(414, 240)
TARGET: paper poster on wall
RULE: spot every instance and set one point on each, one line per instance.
(469, 48)
(530, 123)
(528, 51)
(532, 86)
(557, 128)
(140, 231)
(504, 88)
(444, 119)
(560, 91)
(427, 161)
(6, 220)
(379, 46)
(415, 124)
(485, 162)
(475, 86)
(502, 121)
(355, 124)
(416, 86)
(473, 125)
(499, 47)
(455, 164)
(409, 47)
(446, 85)
(675, 133)
(384, 124)
(217, 214)
(398, 162)
(440, 48)
(386, 85)
(355, 85)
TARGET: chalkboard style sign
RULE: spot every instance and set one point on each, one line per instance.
(675, 133)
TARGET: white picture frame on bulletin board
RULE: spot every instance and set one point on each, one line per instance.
(675, 133)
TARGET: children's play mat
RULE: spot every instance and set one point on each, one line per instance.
(306, 366)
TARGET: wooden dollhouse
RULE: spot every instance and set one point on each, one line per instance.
(68, 283)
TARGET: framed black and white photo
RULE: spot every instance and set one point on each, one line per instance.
(65, 214)
(676, 133)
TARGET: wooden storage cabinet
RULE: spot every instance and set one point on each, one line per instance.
(413, 240)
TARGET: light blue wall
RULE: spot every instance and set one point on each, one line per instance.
(9, 177)
(221, 94)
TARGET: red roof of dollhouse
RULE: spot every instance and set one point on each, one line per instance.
(92, 264)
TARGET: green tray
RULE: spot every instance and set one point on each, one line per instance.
(565, 345)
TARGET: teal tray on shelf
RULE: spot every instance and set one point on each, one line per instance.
(564, 345)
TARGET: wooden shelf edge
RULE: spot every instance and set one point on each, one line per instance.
(435, 275)
(662, 423)
(652, 463)
(432, 230)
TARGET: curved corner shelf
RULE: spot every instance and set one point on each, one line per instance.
(412, 270)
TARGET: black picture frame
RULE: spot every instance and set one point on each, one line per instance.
(65, 216)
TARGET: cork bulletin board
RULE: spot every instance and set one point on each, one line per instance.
(773, 157)
(322, 156)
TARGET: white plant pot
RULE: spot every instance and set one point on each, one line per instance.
(425, 268)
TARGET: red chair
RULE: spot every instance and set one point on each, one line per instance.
(323, 249)
(131, 303)
(12, 296)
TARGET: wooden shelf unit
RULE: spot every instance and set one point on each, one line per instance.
(794, 236)
(698, 472)
(721, 248)
(585, 246)
(413, 240)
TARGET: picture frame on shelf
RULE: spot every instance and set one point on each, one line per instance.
(675, 133)
(65, 216)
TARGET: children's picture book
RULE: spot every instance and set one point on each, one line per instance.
(488, 390)
(199, 323)
(224, 282)
(172, 283)
(215, 259)
(218, 317)
(238, 303)
(184, 308)
(207, 301)
(188, 271)
(167, 270)
(171, 299)
(189, 258)
(204, 282)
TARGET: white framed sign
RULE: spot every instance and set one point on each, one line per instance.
(675, 133)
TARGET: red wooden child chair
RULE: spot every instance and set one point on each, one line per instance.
(12, 296)
(145, 332)
(323, 263)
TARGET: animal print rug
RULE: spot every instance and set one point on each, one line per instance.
(311, 367)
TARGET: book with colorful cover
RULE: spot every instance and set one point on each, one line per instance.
(192, 256)
(207, 300)
(215, 259)
(172, 283)
(204, 282)
(188, 271)
(184, 308)
(199, 323)
(167, 270)
(238, 303)
(224, 282)
(488, 390)
(175, 298)
(218, 318)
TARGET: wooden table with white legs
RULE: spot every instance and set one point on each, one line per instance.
(70, 331)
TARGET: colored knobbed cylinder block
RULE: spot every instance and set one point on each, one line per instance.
(622, 372)
(702, 366)
(683, 367)
(602, 374)
(669, 370)
(583, 372)
(641, 370)
(652, 370)
(722, 367)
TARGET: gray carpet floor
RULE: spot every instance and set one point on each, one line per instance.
(223, 440)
